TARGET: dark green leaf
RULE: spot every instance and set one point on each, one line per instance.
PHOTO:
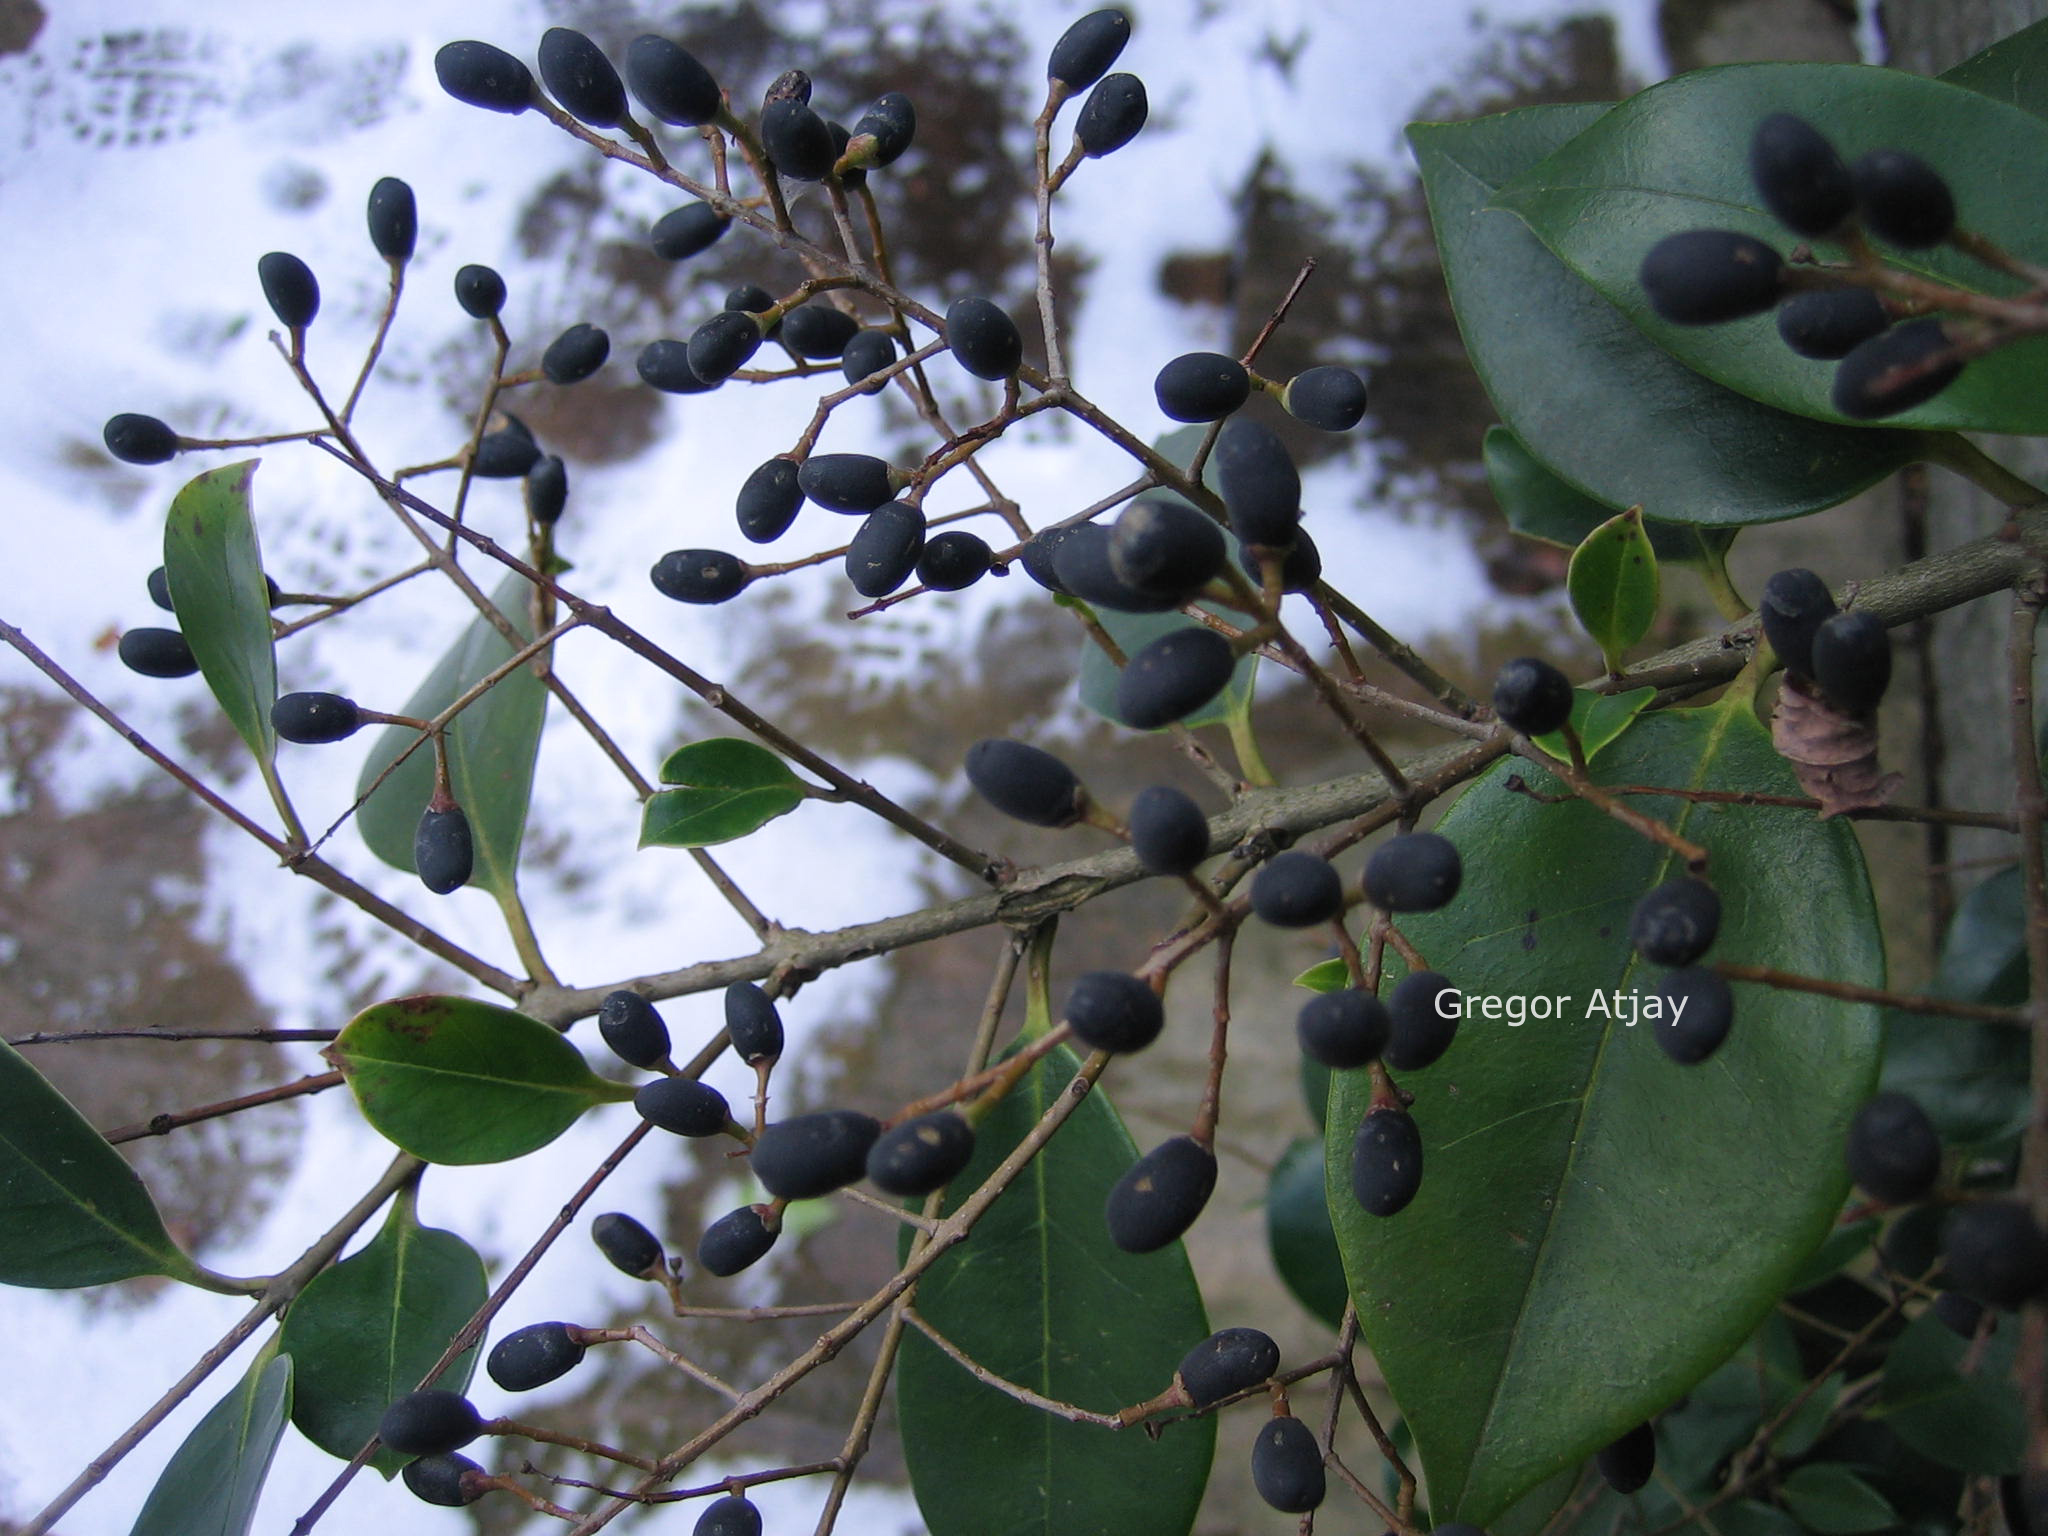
(1543, 505)
(456, 1081)
(1613, 584)
(214, 1479)
(1829, 1498)
(1984, 953)
(1534, 1511)
(2014, 70)
(1299, 1235)
(1676, 157)
(732, 788)
(1747, 1517)
(727, 762)
(491, 749)
(1572, 378)
(1841, 1245)
(366, 1331)
(215, 572)
(72, 1212)
(1315, 1077)
(1724, 1412)
(1599, 718)
(1042, 1297)
(1972, 1422)
(1545, 1291)
(1803, 1430)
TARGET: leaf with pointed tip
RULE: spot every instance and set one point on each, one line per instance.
(1598, 718)
(730, 788)
(1544, 505)
(1952, 1402)
(214, 570)
(366, 1331)
(452, 1080)
(492, 745)
(1613, 584)
(2014, 70)
(214, 1479)
(72, 1212)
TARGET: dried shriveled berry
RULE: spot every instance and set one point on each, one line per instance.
(818, 331)
(290, 288)
(884, 550)
(1799, 176)
(798, 140)
(1261, 487)
(1698, 1008)
(506, 454)
(1328, 397)
(1297, 889)
(633, 1029)
(1794, 605)
(1166, 548)
(442, 1480)
(627, 1245)
(983, 338)
(1995, 1253)
(479, 290)
(1707, 276)
(1111, 116)
(1415, 872)
(1343, 1029)
(849, 482)
(665, 365)
(1173, 677)
(1087, 49)
(1386, 1161)
(669, 82)
(157, 653)
(1169, 833)
(731, 1515)
(1903, 198)
(533, 1356)
(1160, 1196)
(1026, 782)
(1202, 386)
(547, 490)
(431, 1422)
(954, 560)
(867, 354)
(1675, 924)
(921, 1155)
(1287, 1466)
(721, 346)
(752, 1023)
(1629, 1461)
(581, 78)
(686, 231)
(1852, 660)
(683, 1106)
(138, 439)
(1114, 1011)
(443, 853)
(769, 501)
(1084, 569)
(737, 1239)
(811, 1155)
(1896, 370)
(884, 131)
(1894, 1153)
(483, 75)
(1229, 1361)
(394, 219)
(1831, 322)
(699, 575)
(1532, 696)
(1421, 1021)
(576, 354)
(313, 719)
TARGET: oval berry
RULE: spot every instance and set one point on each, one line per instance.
(443, 1480)
(1166, 549)
(480, 291)
(576, 354)
(432, 1422)
(1708, 276)
(1173, 677)
(1111, 116)
(682, 1106)
(627, 1245)
(1386, 1161)
(848, 482)
(769, 501)
(313, 719)
(1229, 1361)
(699, 575)
(669, 82)
(533, 1356)
(1629, 1461)
(394, 219)
(547, 490)
(1420, 1025)
(1894, 1153)
(921, 1155)
(1261, 487)
(156, 653)
(1343, 1029)
(736, 1240)
(811, 1155)
(1698, 1009)
(1994, 1253)
(884, 550)
(797, 140)
(138, 439)
(1330, 398)
(443, 853)
(1415, 872)
(1675, 924)
(580, 77)
(1169, 833)
(686, 231)
(1799, 176)
(867, 354)
(665, 365)
(1287, 1466)
(884, 131)
(721, 346)
(1087, 49)
(1852, 660)
(1896, 370)
(1084, 569)
(1026, 782)
(1794, 605)
(482, 75)
(1160, 1195)
(752, 1023)
(731, 1515)
(633, 1029)
(1202, 386)
(1532, 696)
(1114, 1011)
(1297, 889)
(1903, 199)
(983, 338)
(1830, 323)
(818, 331)
(290, 288)
(507, 454)
(954, 560)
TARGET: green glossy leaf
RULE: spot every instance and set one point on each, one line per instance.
(1724, 1411)
(214, 1479)
(1827, 1497)
(1542, 504)
(491, 749)
(215, 572)
(1599, 718)
(1613, 584)
(1299, 1235)
(1132, 633)
(1572, 378)
(456, 1081)
(2014, 70)
(1984, 953)
(732, 787)
(1041, 1296)
(1599, 1227)
(366, 1331)
(72, 1212)
(1971, 1422)
(1324, 976)
(1676, 157)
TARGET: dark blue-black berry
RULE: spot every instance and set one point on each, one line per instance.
(867, 354)
(506, 454)
(798, 140)
(1087, 49)
(811, 1155)
(1229, 1361)
(1297, 889)
(1830, 323)
(1961, 1315)
(1794, 605)
(1328, 397)
(1173, 677)
(1169, 833)
(769, 500)
(533, 1356)
(1202, 386)
(1166, 549)
(1111, 116)
(157, 653)
(1895, 370)
(443, 852)
(633, 1028)
(665, 365)
(884, 550)
(547, 490)
(627, 1245)
(983, 338)
(1039, 555)
(884, 131)
(137, 439)
(1421, 1020)
(575, 354)
(737, 1239)
(581, 78)
(484, 76)
(431, 1422)
(444, 1480)
(1160, 1196)
(1083, 568)
(699, 575)
(1629, 1461)
(1799, 176)
(669, 82)
(848, 482)
(1114, 1011)
(1415, 872)
(1894, 1153)
(1287, 1466)
(1386, 1161)
(818, 331)
(1852, 660)
(1532, 696)
(313, 719)
(732, 1515)
(290, 288)
(1903, 199)
(1261, 487)
(682, 1106)
(684, 232)
(1343, 1029)
(1707, 276)
(1699, 1009)
(1675, 924)
(752, 1023)
(393, 218)
(721, 346)
(1026, 782)
(921, 1155)
(954, 560)
(479, 290)
(1994, 1253)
